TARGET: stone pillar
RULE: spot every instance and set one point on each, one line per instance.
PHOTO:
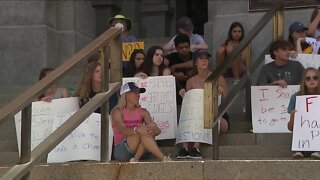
(154, 18)
(104, 11)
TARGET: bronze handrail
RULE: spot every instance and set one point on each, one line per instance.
(211, 114)
(34, 91)
(19, 170)
(109, 42)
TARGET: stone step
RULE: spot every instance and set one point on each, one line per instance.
(207, 169)
(241, 152)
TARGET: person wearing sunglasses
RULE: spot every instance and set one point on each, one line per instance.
(310, 85)
(281, 71)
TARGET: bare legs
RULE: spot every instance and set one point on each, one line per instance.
(140, 144)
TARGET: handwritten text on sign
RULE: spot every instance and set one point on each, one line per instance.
(127, 49)
(191, 122)
(160, 100)
(82, 144)
(306, 129)
(43, 115)
(307, 60)
(269, 108)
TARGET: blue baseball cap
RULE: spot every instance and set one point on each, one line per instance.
(296, 27)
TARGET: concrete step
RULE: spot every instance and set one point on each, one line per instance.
(241, 152)
(208, 170)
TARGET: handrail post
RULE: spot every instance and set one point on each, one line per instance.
(278, 24)
(105, 106)
(26, 137)
(210, 114)
(249, 65)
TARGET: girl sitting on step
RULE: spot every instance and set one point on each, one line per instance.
(201, 61)
(310, 85)
(133, 127)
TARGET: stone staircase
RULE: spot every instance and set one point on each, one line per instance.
(243, 155)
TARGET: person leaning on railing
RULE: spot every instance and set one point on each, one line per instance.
(281, 71)
(310, 85)
(134, 130)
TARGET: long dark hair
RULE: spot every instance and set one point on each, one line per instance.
(131, 70)
(232, 26)
(148, 61)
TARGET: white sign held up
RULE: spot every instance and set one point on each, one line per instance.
(191, 125)
(306, 129)
(269, 108)
(160, 100)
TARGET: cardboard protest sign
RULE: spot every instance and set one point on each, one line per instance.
(127, 49)
(306, 128)
(160, 100)
(191, 121)
(307, 60)
(269, 108)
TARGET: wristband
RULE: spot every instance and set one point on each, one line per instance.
(134, 130)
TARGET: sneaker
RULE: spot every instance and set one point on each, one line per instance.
(315, 155)
(297, 155)
(183, 154)
(134, 159)
(195, 153)
(167, 158)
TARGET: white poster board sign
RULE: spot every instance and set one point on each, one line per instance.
(269, 108)
(191, 121)
(307, 60)
(42, 118)
(160, 100)
(82, 144)
(306, 129)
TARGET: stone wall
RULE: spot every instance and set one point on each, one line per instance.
(41, 33)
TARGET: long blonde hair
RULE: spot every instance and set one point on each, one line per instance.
(86, 80)
(122, 102)
(303, 88)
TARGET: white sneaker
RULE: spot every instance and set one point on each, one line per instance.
(315, 155)
(167, 158)
(297, 155)
(134, 159)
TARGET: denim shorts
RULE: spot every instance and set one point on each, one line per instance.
(122, 151)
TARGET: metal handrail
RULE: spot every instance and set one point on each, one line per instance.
(210, 92)
(41, 86)
(109, 42)
(61, 133)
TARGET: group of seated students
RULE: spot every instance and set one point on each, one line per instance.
(186, 57)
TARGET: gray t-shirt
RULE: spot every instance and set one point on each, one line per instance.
(290, 72)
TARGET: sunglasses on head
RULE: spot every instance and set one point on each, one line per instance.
(308, 78)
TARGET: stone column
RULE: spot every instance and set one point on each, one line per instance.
(154, 18)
